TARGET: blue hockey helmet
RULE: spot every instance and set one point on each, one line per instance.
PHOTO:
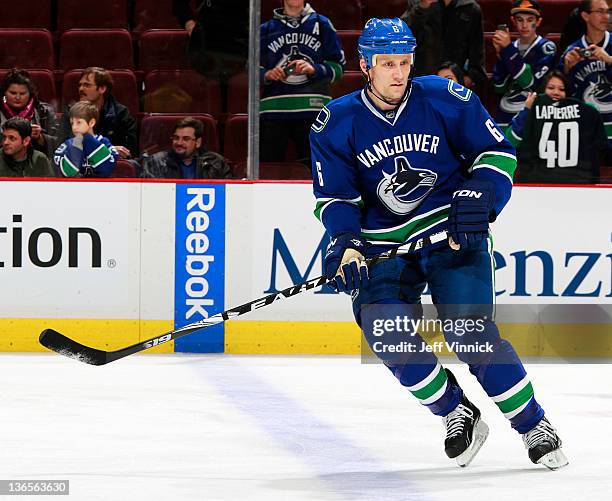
(385, 36)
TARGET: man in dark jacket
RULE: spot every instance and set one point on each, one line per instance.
(18, 158)
(186, 159)
(448, 30)
(115, 123)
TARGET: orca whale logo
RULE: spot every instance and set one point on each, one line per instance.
(405, 189)
(599, 94)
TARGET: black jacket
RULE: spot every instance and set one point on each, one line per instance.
(115, 123)
(167, 165)
(452, 33)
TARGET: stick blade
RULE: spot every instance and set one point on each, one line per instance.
(67, 347)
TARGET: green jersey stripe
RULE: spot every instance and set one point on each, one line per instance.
(302, 102)
(336, 69)
(324, 203)
(402, 233)
(68, 168)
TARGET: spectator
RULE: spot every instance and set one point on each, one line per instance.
(451, 71)
(115, 122)
(20, 99)
(576, 27)
(187, 159)
(218, 48)
(563, 137)
(86, 154)
(520, 64)
(588, 61)
(301, 55)
(448, 30)
(19, 158)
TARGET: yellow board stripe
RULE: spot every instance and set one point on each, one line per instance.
(21, 334)
(343, 338)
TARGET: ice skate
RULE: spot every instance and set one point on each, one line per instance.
(544, 446)
(465, 431)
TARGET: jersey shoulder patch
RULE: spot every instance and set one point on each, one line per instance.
(549, 48)
(321, 121)
(459, 91)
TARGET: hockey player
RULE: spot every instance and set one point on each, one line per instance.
(520, 64)
(86, 154)
(416, 161)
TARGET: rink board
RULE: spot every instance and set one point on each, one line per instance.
(113, 263)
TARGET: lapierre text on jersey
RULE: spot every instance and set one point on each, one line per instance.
(399, 144)
(551, 111)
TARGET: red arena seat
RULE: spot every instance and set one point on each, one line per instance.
(384, 8)
(555, 14)
(238, 93)
(111, 49)
(30, 14)
(284, 170)
(26, 48)
(124, 169)
(153, 14)
(125, 88)
(45, 84)
(181, 91)
(156, 130)
(344, 14)
(235, 144)
(91, 14)
(164, 50)
(351, 81)
(494, 13)
(349, 41)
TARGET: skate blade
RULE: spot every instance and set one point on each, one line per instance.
(554, 460)
(481, 432)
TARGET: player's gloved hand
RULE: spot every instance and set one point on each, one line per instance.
(344, 261)
(468, 220)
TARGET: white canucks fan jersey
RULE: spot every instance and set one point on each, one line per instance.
(391, 176)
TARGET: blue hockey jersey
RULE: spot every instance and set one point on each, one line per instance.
(310, 37)
(95, 157)
(592, 81)
(391, 176)
(515, 74)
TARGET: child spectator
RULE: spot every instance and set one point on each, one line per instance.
(86, 154)
(451, 71)
(520, 64)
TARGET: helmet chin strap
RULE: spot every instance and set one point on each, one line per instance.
(380, 96)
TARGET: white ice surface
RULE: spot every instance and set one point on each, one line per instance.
(172, 427)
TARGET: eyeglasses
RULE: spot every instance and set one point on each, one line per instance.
(601, 12)
(184, 138)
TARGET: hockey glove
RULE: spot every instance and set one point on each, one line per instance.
(345, 263)
(468, 220)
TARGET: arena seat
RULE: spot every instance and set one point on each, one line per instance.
(111, 49)
(238, 94)
(555, 14)
(349, 44)
(494, 13)
(155, 131)
(44, 82)
(344, 14)
(153, 14)
(30, 14)
(351, 81)
(384, 8)
(31, 48)
(125, 88)
(235, 143)
(124, 169)
(284, 170)
(164, 50)
(91, 14)
(181, 91)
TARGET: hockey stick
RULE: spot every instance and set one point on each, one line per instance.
(63, 345)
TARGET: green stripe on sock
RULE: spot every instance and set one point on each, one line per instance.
(432, 387)
(516, 400)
